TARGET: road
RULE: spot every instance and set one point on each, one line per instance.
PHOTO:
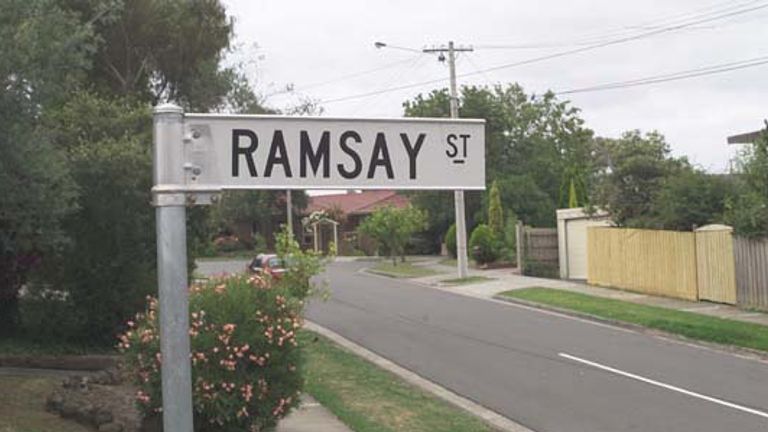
(549, 372)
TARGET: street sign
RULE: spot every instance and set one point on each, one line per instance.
(280, 152)
(197, 155)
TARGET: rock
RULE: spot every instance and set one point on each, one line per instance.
(102, 417)
(68, 409)
(54, 402)
(84, 412)
(111, 427)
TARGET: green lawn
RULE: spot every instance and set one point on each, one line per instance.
(401, 270)
(688, 324)
(466, 280)
(370, 399)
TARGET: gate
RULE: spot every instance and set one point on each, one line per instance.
(715, 269)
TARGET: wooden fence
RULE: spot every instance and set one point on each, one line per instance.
(537, 250)
(751, 260)
(652, 262)
(715, 268)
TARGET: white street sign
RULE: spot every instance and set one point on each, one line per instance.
(278, 152)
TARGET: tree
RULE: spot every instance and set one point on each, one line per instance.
(691, 198)
(636, 168)
(43, 55)
(534, 145)
(391, 228)
(157, 50)
(495, 211)
(747, 212)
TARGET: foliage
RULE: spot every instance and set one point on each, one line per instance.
(450, 241)
(246, 362)
(540, 269)
(484, 245)
(391, 228)
(159, 50)
(495, 211)
(228, 243)
(301, 265)
(636, 168)
(692, 198)
(535, 146)
(748, 212)
(509, 247)
(43, 54)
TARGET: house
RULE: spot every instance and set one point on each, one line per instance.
(348, 210)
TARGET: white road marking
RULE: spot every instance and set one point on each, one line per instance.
(666, 386)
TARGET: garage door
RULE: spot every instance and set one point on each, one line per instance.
(576, 246)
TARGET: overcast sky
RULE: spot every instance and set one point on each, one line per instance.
(305, 43)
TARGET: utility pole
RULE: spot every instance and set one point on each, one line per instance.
(458, 196)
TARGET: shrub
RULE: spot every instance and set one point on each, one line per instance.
(484, 245)
(450, 241)
(228, 244)
(245, 358)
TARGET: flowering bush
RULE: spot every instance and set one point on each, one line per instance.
(245, 358)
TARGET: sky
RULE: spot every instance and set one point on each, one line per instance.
(319, 49)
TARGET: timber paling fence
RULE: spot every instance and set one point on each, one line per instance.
(708, 264)
(751, 272)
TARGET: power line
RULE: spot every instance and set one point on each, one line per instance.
(565, 53)
(345, 77)
(675, 76)
(623, 31)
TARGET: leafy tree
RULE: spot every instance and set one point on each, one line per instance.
(159, 49)
(691, 198)
(391, 228)
(43, 55)
(534, 146)
(495, 211)
(636, 168)
(747, 212)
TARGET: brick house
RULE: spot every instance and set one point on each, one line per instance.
(349, 210)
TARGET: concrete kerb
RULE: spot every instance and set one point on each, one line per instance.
(491, 418)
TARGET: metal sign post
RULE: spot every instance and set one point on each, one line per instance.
(199, 155)
(170, 212)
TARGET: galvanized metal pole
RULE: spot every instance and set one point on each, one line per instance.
(170, 212)
(458, 196)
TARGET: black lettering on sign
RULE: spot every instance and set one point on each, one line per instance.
(451, 139)
(380, 157)
(237, 151)
(358, 163)
(464, 141)
(413, 151)
(322, 154)
(277, 155)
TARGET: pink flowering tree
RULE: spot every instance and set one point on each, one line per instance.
(246, 362)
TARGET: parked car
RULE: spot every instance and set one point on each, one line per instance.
(267, 264)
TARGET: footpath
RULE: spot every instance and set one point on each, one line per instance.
(501, 280)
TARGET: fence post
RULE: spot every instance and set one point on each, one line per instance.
(519, 240)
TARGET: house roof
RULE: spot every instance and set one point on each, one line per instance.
(357, 203)
(745, 138)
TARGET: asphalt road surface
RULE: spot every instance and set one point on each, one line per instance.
(549, 372)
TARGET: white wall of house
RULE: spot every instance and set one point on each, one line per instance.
(572, 227)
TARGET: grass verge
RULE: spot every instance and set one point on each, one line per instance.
(466, 280)
(688, 324)
(401, 270)
(370, 399)
(22, 406)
